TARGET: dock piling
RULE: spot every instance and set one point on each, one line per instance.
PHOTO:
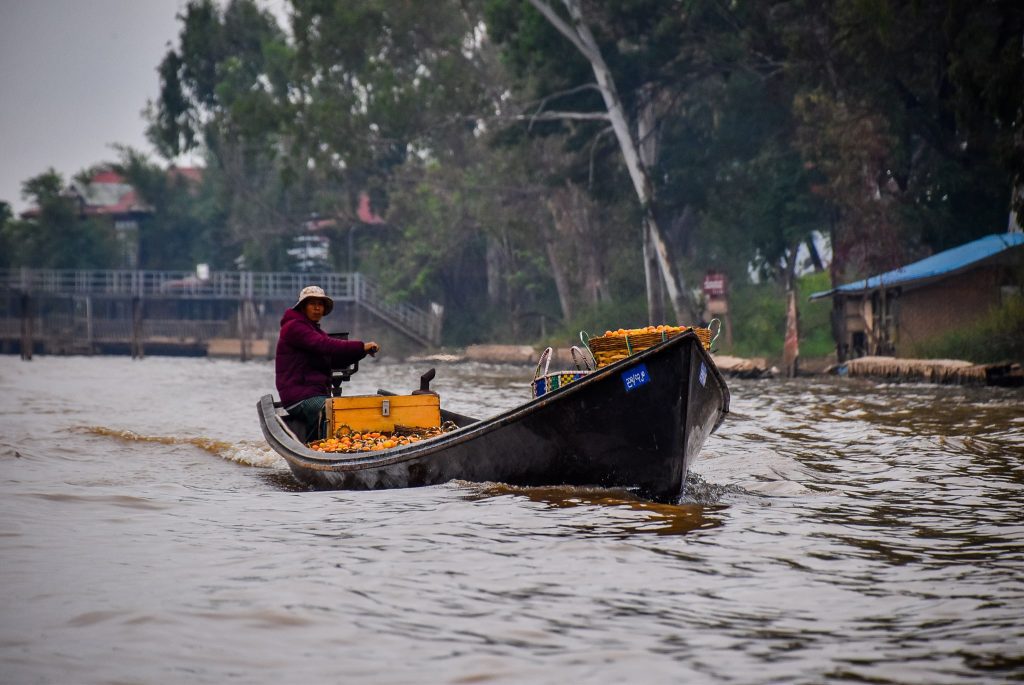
(26, 327)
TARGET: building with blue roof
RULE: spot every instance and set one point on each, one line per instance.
(893, 312)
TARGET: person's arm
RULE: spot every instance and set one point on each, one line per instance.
(339, 359)
(308, 339)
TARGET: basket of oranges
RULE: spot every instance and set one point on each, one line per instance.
(616, 345)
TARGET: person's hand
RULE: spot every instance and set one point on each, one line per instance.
(371, 348)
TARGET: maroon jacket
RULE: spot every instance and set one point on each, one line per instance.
(305, 356)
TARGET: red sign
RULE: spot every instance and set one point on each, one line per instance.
(714, 284)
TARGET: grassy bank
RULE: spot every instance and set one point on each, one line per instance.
(759, 319)
(997, 337)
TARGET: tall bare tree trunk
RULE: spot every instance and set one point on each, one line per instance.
(1016, 195)
(791, 345)
(595, 280)
(573, 250)
(648, 149)
(580, 36)
(652, 276)
(494, 270)
(556, 260)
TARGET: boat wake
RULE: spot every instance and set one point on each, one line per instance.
(700, 491)
(251, 453)
(245, 452)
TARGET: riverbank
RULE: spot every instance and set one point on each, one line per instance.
(946, 371)
(890, 369)
(561, 358)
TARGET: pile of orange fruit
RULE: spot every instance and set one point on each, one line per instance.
(373, 441)
(661, 328)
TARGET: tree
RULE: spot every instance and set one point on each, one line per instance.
(6, 248)
(226, 89)
(728, 132)
(985, 67)
(186, 222)
(577, 31)
(59, 235)
(916, 142)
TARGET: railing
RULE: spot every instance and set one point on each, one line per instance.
(425, 324)
(177, 284)
(223, 285)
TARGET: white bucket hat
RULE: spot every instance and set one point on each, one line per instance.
(311, 291)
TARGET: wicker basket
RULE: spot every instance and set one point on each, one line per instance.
(545, 381)
(608, 349)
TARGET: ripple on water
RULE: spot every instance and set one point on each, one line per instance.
(831, 531)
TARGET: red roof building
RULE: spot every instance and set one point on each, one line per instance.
(109, 195)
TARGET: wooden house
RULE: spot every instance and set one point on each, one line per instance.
(891, 313)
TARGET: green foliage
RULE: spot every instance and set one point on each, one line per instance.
(892, 128)
(596, 319)
(226, 79)
(226, 88)
(186, 225)
(758, 314)
(815, 317)
(59, 236)
(759, 319)
(996, 337)
(6, 248)
(903, 124)
(452, 240)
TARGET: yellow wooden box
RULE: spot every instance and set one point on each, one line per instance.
(381, 413)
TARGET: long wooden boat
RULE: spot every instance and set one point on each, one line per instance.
(635, 424)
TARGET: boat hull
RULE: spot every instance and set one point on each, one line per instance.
(636, 424)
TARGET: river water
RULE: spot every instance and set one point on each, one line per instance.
(835, 530)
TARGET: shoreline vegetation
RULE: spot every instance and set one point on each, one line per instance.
(533, 176)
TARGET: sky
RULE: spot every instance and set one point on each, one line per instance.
(75, 76)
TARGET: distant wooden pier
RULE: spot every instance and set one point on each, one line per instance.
(945, 371)
(174, 312)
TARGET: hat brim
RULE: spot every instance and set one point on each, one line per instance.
(328, 303)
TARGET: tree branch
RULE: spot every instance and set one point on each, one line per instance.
(562, 116)
(562, 93)
(562, 27)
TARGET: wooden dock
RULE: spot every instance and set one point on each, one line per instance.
(173, 312)
(947, 371)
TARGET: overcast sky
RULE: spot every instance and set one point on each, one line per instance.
(75, 76)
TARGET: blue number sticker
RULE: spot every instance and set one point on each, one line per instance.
(703, 376)
(636, 377)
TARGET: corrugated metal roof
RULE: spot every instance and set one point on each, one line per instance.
(939, 264)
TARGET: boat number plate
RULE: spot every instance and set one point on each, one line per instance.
(703, 376)
(636, 377)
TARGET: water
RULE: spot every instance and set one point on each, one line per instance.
(834, 531)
